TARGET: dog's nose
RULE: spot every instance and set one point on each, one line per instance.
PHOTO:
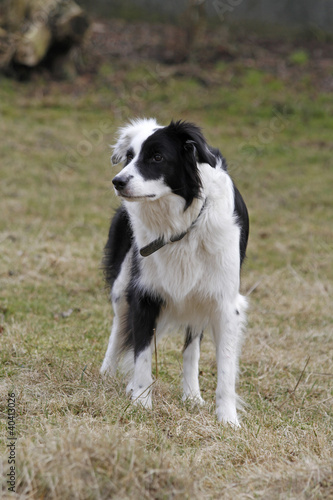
(121, 182)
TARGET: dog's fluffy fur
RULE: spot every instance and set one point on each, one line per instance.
(177, 193)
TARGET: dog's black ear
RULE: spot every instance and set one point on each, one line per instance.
(190, 149)
(193, 150)
(192, 182)
(194, 140)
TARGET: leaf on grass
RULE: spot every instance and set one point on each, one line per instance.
(66, 314)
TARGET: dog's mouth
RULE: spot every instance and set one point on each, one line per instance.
(136, 198)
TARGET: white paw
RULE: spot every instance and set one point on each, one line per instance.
(130, 387)
(142, 397)
(195, 400)
(228, 416)
(107, 371)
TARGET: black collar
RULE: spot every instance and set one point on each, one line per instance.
(160, 242)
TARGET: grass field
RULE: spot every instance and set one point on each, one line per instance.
(77, 435)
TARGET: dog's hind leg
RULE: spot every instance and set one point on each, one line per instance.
(191, 356)
(115, 345)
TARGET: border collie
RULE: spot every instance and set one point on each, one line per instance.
(173, 257)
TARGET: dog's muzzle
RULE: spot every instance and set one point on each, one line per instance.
(120, 181)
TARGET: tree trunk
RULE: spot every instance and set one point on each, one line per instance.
(33, 45)
(33, 27)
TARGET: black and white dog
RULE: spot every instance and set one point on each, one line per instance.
(173, 257)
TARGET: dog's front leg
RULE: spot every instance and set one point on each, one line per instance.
(227, 330)
(191, 356)
(144, 311)
(142, 379)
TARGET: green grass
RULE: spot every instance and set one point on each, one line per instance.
(79, 437)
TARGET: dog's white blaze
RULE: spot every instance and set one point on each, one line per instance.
(139, 187)
(132, 136)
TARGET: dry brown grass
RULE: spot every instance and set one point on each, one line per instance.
(79, 438)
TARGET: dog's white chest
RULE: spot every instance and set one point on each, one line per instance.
(172, 271)
(193, 267)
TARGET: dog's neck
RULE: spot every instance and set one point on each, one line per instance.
(161, 242)
(164, 220)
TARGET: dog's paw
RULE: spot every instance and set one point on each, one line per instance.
(130, 387)
(228, 417)
(142, 397)
(107, 371)
(194, 400)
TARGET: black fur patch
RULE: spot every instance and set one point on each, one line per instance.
(189, 337)
(178, 147)
(143, 312)
(243, 221)
(118, 244)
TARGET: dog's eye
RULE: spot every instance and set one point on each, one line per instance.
(157, 157)
(129, 157)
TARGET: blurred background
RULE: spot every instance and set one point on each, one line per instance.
(36, 34)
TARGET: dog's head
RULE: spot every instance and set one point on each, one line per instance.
(160, 160)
